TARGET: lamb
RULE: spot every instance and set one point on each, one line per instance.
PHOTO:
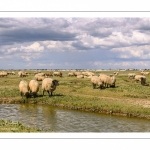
(140, 78)
(97, 81)
(49, 85)
(107, 80)
(24, 89)
(34, 87)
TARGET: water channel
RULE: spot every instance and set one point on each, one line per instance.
(62, 120)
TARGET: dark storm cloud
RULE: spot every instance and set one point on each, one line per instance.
(28, 35)
(47, 30)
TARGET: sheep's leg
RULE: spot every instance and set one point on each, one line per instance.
(43, 92)
(21, 94)
(51, 93)
(93, 86)
(48, 93)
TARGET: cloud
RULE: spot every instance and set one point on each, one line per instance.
(35, 47)
(75, 42)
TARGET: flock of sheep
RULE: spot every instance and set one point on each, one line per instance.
(49, 84)
(32, 88)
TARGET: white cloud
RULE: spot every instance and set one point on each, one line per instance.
(59, 46)
(35, 47)
(142, 52)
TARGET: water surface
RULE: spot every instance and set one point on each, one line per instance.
(62, 120)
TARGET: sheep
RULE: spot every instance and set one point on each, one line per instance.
(77, 73)
(24, 89)
(57, 74)
(49, 85)
(3, 74)
(48, 74)
(97, 81)
(80, 76)
(145, 73)
(39, 78)
(107, 80)
(41, 74)
(140, 78)
(22, 74)
(71, 74)
(34, 87)
(131, 75)
(116, 73)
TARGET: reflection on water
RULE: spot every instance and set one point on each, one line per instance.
(61, 120)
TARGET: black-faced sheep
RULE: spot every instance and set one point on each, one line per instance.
(49, 85)
(140, 78)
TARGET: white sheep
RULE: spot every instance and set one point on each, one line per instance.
(39, 77)
(107, 80)
(34, 87)
(97, 81)
(80, 76)
(140, 78)
(131, 75)
(49, 85)
(24, 89)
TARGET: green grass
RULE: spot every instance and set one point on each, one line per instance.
(9, 126)
(128, 98)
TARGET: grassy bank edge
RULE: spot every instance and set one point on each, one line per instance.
(103, 105)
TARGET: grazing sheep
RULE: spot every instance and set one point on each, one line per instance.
(34, 87)
(97, 81)
(57, 74)
(80, 76)
(116, 73)
(22, 74)
(39, 78)
(13, 73)
(77, 73)
(71, 74)
(3, 74)
(145, 73)
(140, 78)
(107, 80)
(24, 89)
(131, 75)
(49, 85)
(48, 74)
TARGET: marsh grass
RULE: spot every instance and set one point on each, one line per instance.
(10, 126)
(128, 97)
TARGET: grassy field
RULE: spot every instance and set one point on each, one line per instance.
(128, 98)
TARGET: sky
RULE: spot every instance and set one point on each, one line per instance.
(74, 43)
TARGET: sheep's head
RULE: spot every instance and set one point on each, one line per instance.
(55, 82)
